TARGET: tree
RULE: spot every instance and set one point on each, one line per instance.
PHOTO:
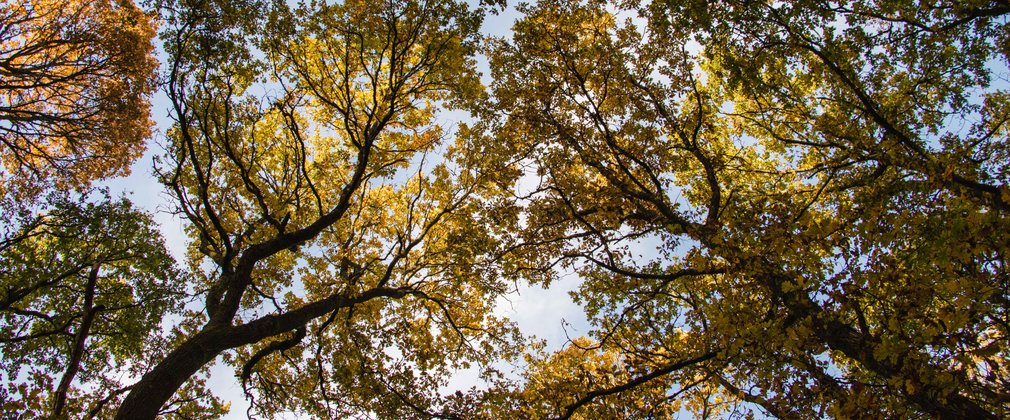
(340, 271)
(82, 294)
(75, 77)
(825, 185)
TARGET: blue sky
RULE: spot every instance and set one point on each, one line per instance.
(548, 314)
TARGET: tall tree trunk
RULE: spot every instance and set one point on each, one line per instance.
(159, 384)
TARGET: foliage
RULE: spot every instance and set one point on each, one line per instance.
(340, 269)
(75, 77)
(825, 184)
(84, 291)
(796, 209)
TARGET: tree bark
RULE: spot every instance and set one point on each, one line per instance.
(859, 347)
(158, 385)
(80, 342)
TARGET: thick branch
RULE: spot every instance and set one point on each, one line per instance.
(634, 382)
(80, 340)
(156, 387)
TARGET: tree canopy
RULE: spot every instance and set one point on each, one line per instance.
(75, 79)
(826, 183)
(787, 209)
(84, 291)
(339, 267)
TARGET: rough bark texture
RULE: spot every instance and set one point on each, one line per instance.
(157, 386)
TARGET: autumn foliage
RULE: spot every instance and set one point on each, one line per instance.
(825, 186)
(788, 209)
(75, 79)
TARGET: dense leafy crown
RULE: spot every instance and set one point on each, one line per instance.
(84, 290)
(75, 77)
(796, 209)
(825, 183)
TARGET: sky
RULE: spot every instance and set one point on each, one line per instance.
(548, 314)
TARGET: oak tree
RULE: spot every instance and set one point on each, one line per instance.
(75, 79)
(82, 293)
(339, 267)
(788, 208)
